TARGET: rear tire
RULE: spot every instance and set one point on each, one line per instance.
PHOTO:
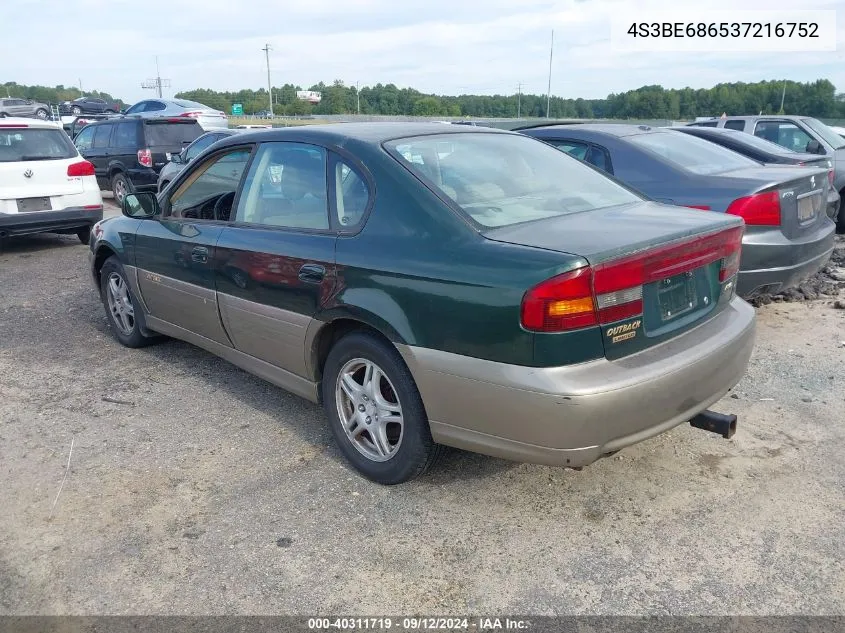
(123, 310)
(399, 447)
(84, 235)
(41, 113)
(76, 110)
(120, 186)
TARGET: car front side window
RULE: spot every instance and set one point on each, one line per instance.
(138, 107)
(784, 133)
(286, 186)
(209, 190)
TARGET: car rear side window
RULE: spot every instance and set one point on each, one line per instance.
(503, 179)
(707, 124)
(784, 133)
(102, 135)
(351, 194)
(691, 154)
(172, 135)
(573, 148)
(287, 187)
(599, 157)
(25, 144)
(126, 134)
(735, 124)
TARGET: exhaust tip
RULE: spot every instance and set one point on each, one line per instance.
(718, 423)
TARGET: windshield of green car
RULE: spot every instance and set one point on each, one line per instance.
(503, 179)
(829, 136)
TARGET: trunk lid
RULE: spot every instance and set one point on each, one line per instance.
(803, 194)
(666, 258)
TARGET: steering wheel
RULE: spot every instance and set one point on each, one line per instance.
(221, 204)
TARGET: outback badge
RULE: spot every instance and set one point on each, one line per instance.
(624, 332)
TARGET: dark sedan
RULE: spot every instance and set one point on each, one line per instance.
(789, 235)
(89, 105)
(433, 285)
(764, 151)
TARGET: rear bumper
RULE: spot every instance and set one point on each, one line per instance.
(48, 221)
(573, 415)
(772, 262)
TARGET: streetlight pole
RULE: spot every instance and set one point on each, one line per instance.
(549, 91)
(519, 100)
(358, 97)
(782, 97)
(266, 50)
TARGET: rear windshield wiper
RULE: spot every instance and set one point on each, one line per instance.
(35, 157)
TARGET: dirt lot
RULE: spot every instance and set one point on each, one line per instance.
(196, 488)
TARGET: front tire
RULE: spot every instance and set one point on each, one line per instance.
(76, 110)
(375, 411)
(120, 186)
(41, 113)
(124, 312)
(84, 235)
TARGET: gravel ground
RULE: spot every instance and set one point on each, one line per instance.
(196, 488)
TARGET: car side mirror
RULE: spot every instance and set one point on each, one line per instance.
(176, 159)
(814, 147)
(141, 206)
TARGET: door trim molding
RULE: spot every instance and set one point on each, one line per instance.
(281, 378)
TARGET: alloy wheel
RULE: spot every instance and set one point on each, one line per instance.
(120, 304)
(369, 409)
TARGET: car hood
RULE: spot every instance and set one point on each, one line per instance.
(603, 234)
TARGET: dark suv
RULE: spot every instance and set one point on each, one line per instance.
(129, 152)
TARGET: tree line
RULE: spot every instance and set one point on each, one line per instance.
(816, 98)
(57, 94)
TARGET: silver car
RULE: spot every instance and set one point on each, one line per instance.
(208, 118)
(12, 106)
(178, 161)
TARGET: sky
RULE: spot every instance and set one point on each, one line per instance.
(439, 46)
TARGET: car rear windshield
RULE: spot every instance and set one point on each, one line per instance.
(756, 142)
(504, 179)
(171, 134)
(691, 154)
(830, 137)
(23, 144)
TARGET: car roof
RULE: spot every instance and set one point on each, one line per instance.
(376, 133)
(748, 117)
(609, 129)
(16, 121)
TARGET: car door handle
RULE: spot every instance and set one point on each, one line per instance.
(199, 254)
(312, 273)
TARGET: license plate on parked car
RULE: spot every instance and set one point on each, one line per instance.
(809, 206)
(677, 295)
(26, 205)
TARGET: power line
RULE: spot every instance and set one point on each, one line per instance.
(267, 48)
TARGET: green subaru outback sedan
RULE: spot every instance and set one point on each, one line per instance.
(431, 286)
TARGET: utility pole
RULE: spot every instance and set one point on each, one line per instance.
(80, 85)
(267, 50)
(519, 100)
(549, 92)
(782, 97)
(358, 97)
(151, 84)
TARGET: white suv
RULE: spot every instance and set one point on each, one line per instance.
(45, 185)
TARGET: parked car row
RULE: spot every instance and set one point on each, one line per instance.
(787, 209)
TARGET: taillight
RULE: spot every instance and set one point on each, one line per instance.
(702, 207)
(13, 125)
(192, 115)
(82, 168)
(613, 291)
(760, 209)
(145, 157)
